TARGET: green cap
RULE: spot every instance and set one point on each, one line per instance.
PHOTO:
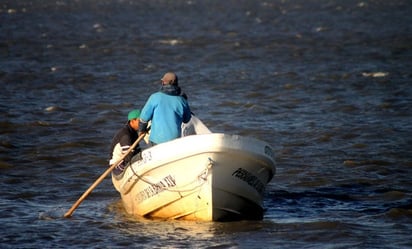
(133, 114)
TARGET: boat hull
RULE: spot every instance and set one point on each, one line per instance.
(209, 177)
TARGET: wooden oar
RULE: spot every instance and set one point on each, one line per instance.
(101, 178)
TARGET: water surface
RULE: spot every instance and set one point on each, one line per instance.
(327, 84)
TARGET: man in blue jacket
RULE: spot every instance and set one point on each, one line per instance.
(167, 109)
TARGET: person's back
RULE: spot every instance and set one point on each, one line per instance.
(167, 110)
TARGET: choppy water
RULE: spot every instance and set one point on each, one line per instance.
(327, 83)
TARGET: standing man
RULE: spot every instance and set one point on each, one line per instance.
(167, 109)
(122, 141)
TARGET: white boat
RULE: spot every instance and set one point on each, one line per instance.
(205, 177)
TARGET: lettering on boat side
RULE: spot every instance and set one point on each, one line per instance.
(269, 151)
(156, 188)
(250, 179)
(146, 157)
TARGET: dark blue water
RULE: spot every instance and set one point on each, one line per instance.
(326, 83)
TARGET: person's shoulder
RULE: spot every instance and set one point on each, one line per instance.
(121, 132)
(183, 99)
(156, 94)
(152, 98)
(123, 129)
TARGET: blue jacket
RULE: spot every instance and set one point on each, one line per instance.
(167, 109)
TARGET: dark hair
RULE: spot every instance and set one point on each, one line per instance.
(175, 82)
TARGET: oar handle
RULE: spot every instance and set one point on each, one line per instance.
(101, 178)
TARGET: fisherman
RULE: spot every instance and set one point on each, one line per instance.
(122, 141)
(167, 109)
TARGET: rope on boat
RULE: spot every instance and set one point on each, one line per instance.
(201, 178)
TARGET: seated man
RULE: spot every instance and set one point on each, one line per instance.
(122, 141)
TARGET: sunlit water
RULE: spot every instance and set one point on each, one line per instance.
(327, 84)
